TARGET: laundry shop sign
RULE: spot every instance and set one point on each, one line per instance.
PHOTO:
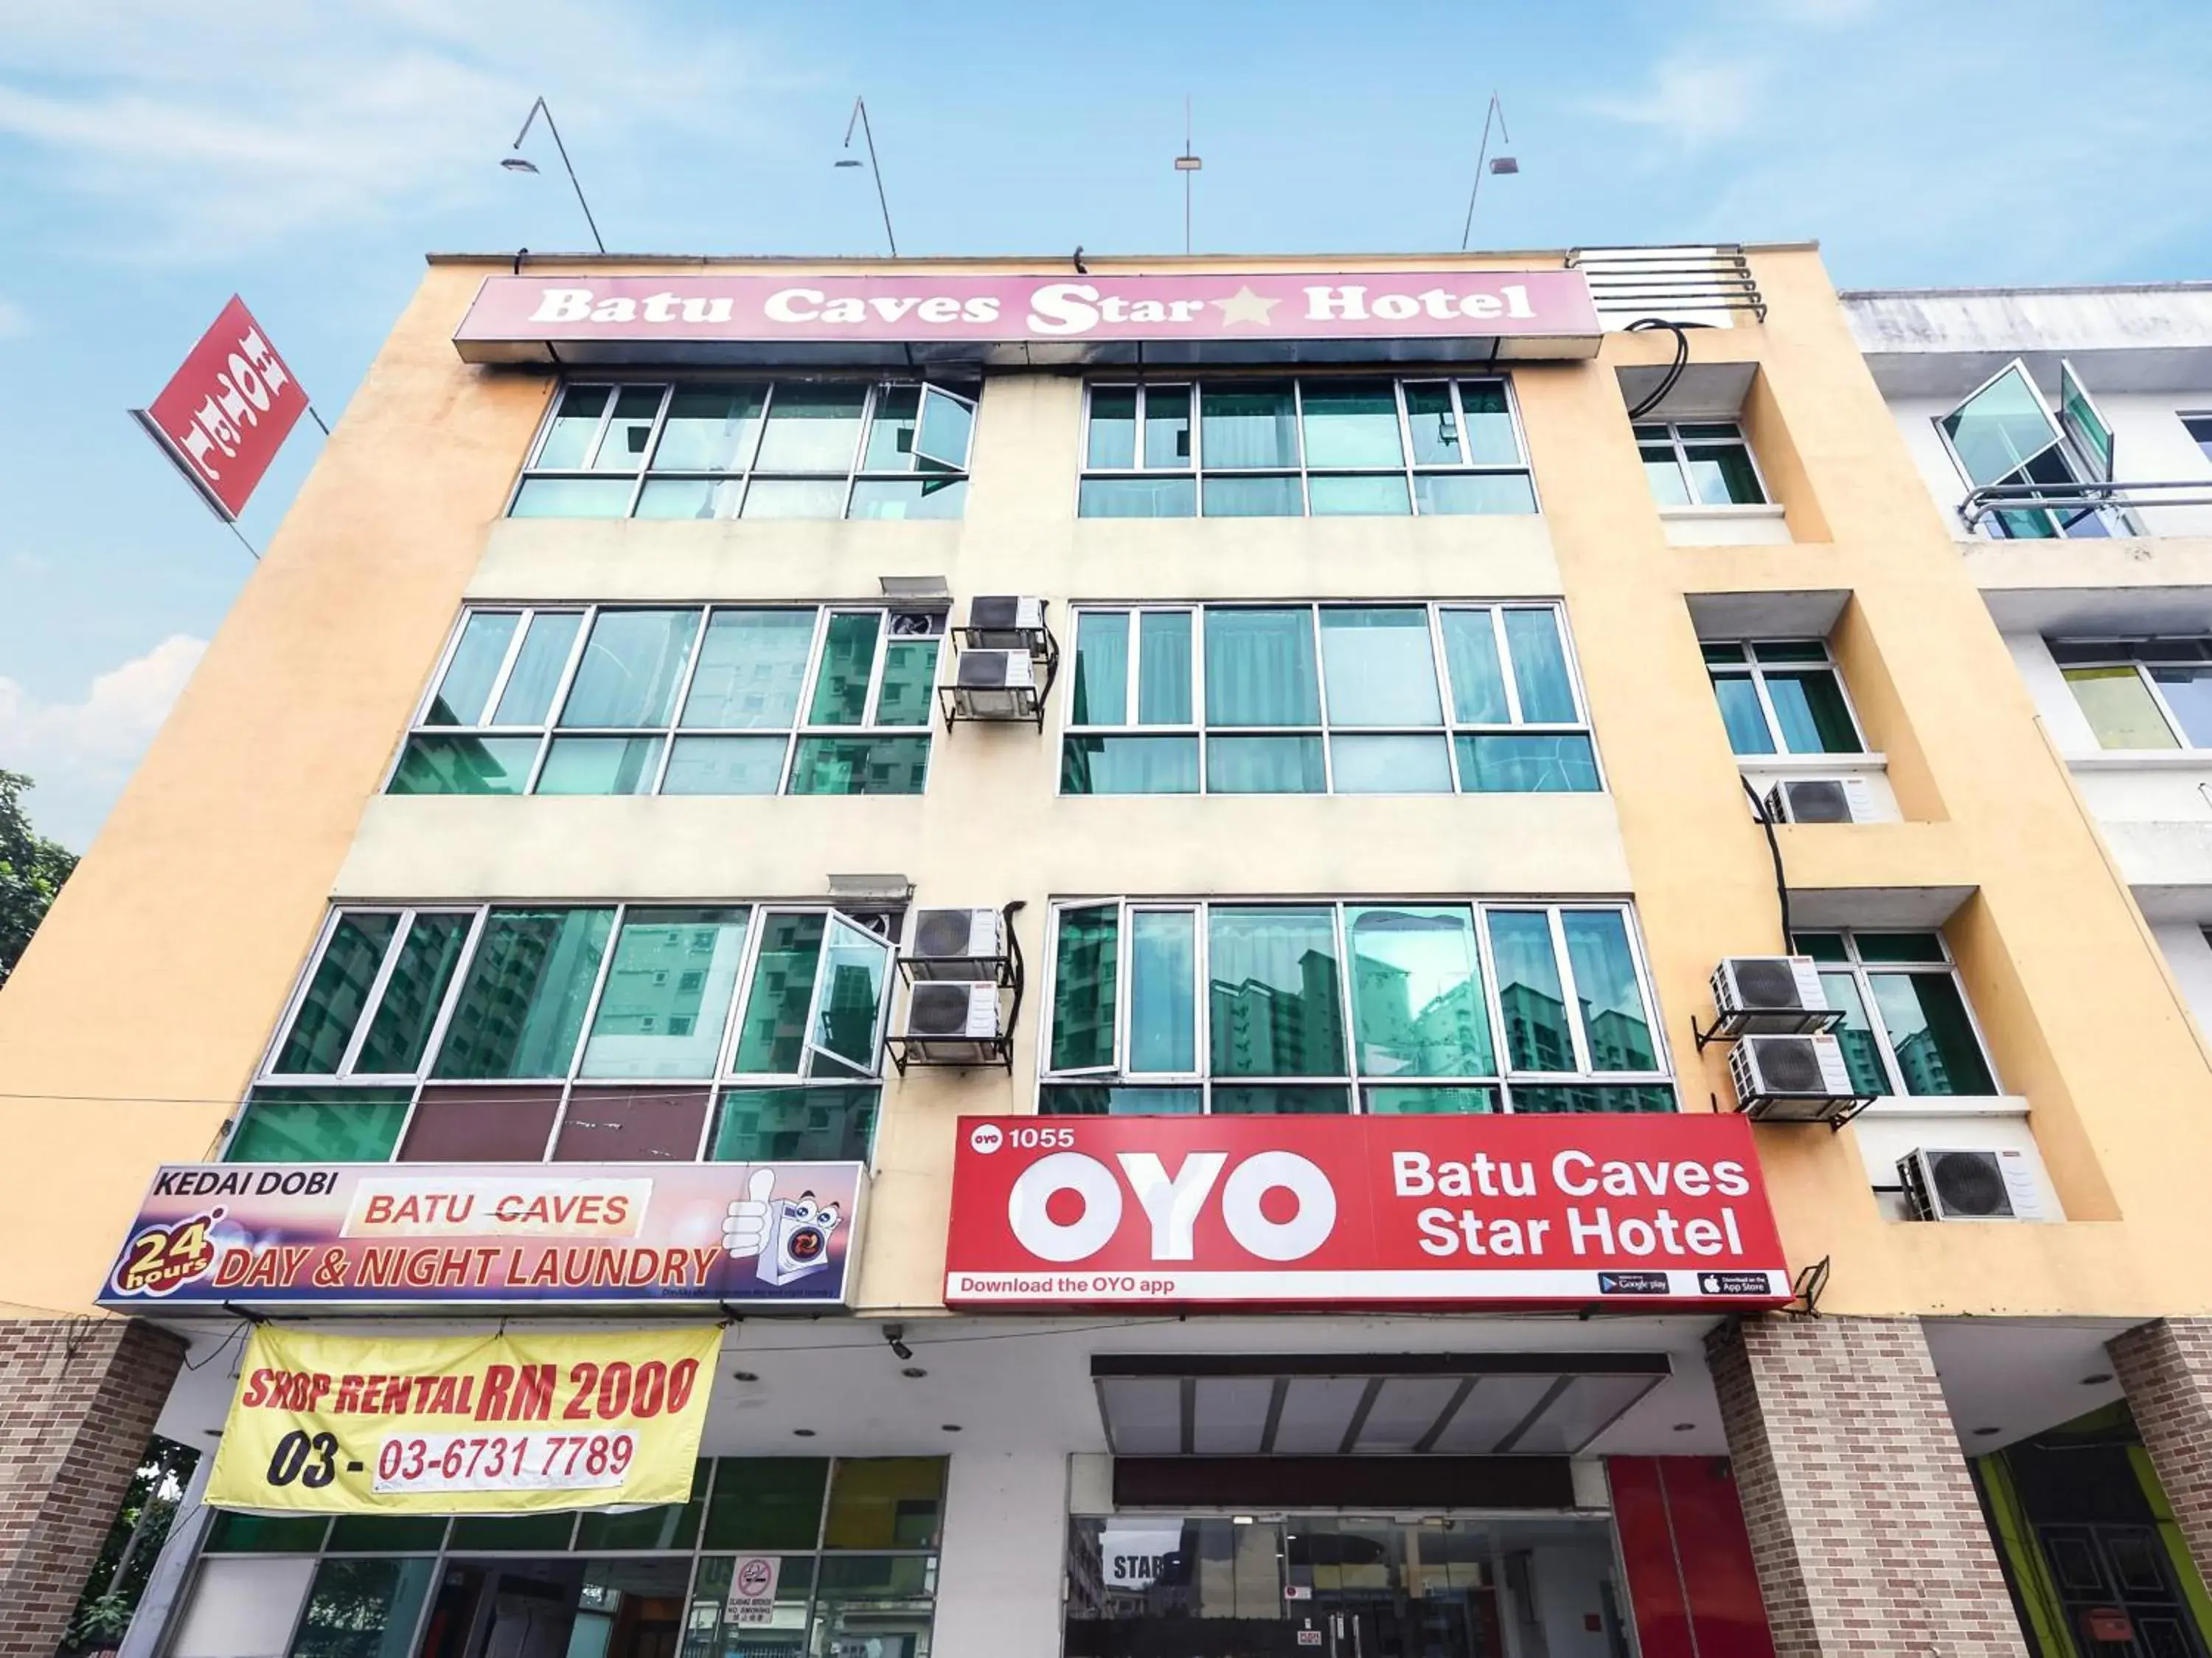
(1630, 1212)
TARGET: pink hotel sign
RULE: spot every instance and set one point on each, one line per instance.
(1546, 313)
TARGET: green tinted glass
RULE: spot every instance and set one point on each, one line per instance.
(752, 665)
(1275, 1005)
(1930, 1035)
(1997, 429)
(1380, 667)
(795, 1125)
(1260, 667)
(569, 434)
(1084, 988)
(1530, 993)
(667, 994)
(1275, 1100)
(362, 1608)
(1417, 1007)
(1163, 668)
(337, 996)
(1741, 714)
(1862, 1052)
(709, 428)
(1162, 990)
(766, 1502)
(400, 1033)
(668, 1525)
(1352, 423)
(600, 766)
(848, 657)
(1539, 667)
(1266, 765)
(1129, 766)
(1113, 440)
(1102, 667)
(1615, 1023)
(262, 1533)
(318, 1125)
(537, 668)
(1478, 683)
(862, 765)
(464, 766)
(772, 1039)
(467, 685)
(910, 676)
(1810, 708)
(523, 1004)
(631, 666)
(1428, 1102)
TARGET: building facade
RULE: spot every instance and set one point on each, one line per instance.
(1197, 805)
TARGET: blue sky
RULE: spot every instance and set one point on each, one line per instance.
(153, 158)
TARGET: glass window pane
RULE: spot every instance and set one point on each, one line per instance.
(1462, 494)
(1930, 1035)
(1129, 766)
(948, 424)
(1478, 681)
(871, 1604)
(848, 657)
(1266, 765)
(1811, 710)
(666, 1525)
(1664, 474)
(856, 968)
(600, 766)
(1250, 424)
(1720, 651)
(1530, 995)
(885, 1502)
(812, 428)
(572, 497)
(771, 1040)
(1501, 765)
(1253, 497)
(363, 1608)
(1247, 1100)
(1113, 439)
(868, 766)
(2188, 693)
(464, 766)
(467, 685)
(1389, 766)
(622, 448)
(1539, 667)
(1435, 426)
(1102, 667)
(539, 668)
(1489, 437)
(518, 1532)
(1349, 423)
(568, 437)
(265, 1533)
(766, 1502)
(1276, 1006)
(377, 1534)
(400, 1034)
(810, 1124)
(1097, 1100)
(632, 1124)
(337, 996)
(2119, 708)
(752, 667)
(1372, 494)
(1380, 667)
(1260, 667)
(1997, 430)
(481, 1124)
(319, 1125)
(1792, 650)
(1616, 1023)
(710, 1632)
(1741, 714)
(1428, 1102)
(1137, 498)
(910, 677)
(725, 765)
(1821, 946)
(932, 497)
(890, 430)
(1724, 475)
(794, 497)
(1585, 1098)
(631, 665)
(523, 1004)
(1164, 990)
(667, 994)
(1167, 426)
(1861, 1053)
(669, 498)
(1417, 1006)
(709, 428)
(1163, 668)
(1888, 948)
(1084, 987)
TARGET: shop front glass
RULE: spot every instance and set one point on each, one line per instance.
(1156, 1585)
(853, 1541)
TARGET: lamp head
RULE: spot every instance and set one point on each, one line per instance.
(1504, 164)
(518, 164)
(847, 160)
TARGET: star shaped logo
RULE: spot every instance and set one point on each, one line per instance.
(1245, 306)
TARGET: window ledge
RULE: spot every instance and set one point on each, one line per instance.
(1817, 765)
(2142, 759)
(1951, 1105)
(1733, 509)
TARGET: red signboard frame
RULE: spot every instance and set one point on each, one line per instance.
(224, 414)
(1624, 1213)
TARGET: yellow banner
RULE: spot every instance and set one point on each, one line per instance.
(511, 1423)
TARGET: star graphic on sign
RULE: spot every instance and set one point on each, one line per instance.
(1245, 306)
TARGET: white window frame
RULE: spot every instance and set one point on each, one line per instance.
(1450, 728)
(1679, 445)
(1862, 972)
(2116, 520)
(2123, 658)
(1408, 469)
(854, 471)
(1756, 669)
(1505, 1076)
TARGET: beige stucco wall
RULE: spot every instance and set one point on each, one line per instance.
(168, 960)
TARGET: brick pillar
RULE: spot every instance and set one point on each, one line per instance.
(2165, 1369)
(78, 1401)
(1864, 1525)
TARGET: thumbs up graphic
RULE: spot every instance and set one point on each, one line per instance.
(745, 1227)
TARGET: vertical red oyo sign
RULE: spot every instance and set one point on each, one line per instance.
(226, 413)
(1633, 1212)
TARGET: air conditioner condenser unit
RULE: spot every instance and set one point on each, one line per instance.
(1820, 800)
(952, 1022)
(957, 944)
(1791, 1079)
(1771, 995)
(1970, 1185)
(995, 685)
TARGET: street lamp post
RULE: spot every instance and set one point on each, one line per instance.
(519, 162)
(1501, 165)
(860, 120)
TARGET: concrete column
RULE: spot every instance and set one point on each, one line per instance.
(2165, 1369)
(78, 1401)
(1864, 1522)
(999, 1568)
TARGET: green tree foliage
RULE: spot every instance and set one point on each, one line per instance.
(31, 870)
(126, 1557)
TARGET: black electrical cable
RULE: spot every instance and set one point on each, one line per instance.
(1674, 372)
(1774, 851)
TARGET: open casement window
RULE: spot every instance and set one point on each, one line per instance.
(852, 989)
(376, 1000)
(2004, 435)
(818, 993)
(2092, 434)
(1907, 1027)
(942, 434)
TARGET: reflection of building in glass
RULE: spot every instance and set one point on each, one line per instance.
(1920, 1064)
(1261, 1029)
(1619, 1040)
(1444, 1039)
(1535, 1028)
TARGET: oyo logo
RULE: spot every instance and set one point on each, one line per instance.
(1173, 1204)
(986, 1137)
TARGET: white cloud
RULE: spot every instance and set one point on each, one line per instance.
(14, 320)
(80, 753)
(229, 129)
(1692, 101)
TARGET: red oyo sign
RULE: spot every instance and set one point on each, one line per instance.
(1361, 1212)
(229, 408)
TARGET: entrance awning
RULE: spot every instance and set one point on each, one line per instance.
(1367, 1405)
